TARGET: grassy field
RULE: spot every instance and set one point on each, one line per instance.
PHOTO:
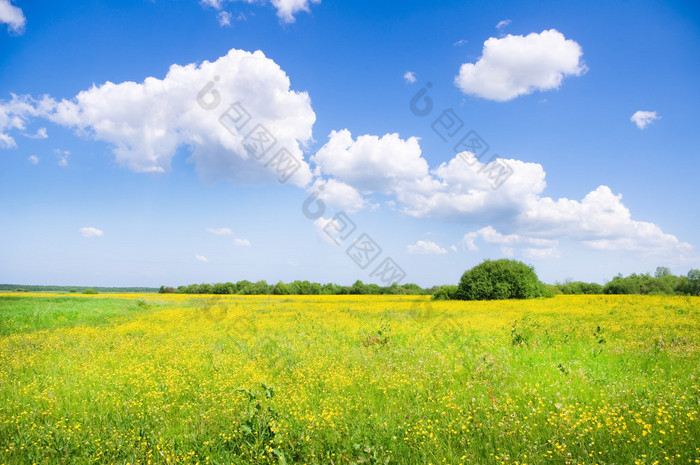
(348, 379)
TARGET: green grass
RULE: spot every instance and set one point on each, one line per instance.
(20, 314)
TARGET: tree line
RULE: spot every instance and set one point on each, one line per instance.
(492, 279)
(662, 282)
(297, 287)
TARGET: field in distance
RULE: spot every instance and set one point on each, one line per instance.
(348, 380)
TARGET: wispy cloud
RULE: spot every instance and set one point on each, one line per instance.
(33, 159)
(220, 231)
(224, 18)
(286, 9)
(90, 232)
(410, 77)
(502, 24)
(62, 156)
(241, 242)
(201, 258)
(40, 134)
(425, 248)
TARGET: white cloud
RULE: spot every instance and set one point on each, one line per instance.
(12, 16)
(224, 18)
(90, 232)
(147, 122)
(409, 77)
(425, 248)
(16, 113)
(372, 164)
(460, 190)
(326, 230)
(502, 24)
(227, 232)
(33, 159)
(40, 134)
(62, 156)
(601, 221)
(220, 231)
(644, 118)
(337, 194)
(460, 42)
(519, 65)
(217, 4)
(532, 247)
(286, 9)
(201, 258)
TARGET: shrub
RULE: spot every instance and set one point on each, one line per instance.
(501, 279)
(448, 292)
(89, 291)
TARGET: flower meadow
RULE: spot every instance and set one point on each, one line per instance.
(348, 380)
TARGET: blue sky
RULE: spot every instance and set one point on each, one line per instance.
(116, 168)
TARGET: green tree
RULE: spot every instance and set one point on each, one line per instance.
(500, 279)
(243, 287)
(358, 287)
(280, 289)
(693, 282)
(223, 288)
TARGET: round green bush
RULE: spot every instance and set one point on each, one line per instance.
(501, 279)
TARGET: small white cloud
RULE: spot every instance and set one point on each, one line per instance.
(220, 231)
(460, 42)
(410, 77)
(62, 156)
(502, 24)
(90, 232)
(40, 134)
(224, 18)
(425, 248)
(12, 16)
(286, 9)
(33, 159)
(241, 242)
(453, 248)
(519, 65)
(644, 118)
(201, 258)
